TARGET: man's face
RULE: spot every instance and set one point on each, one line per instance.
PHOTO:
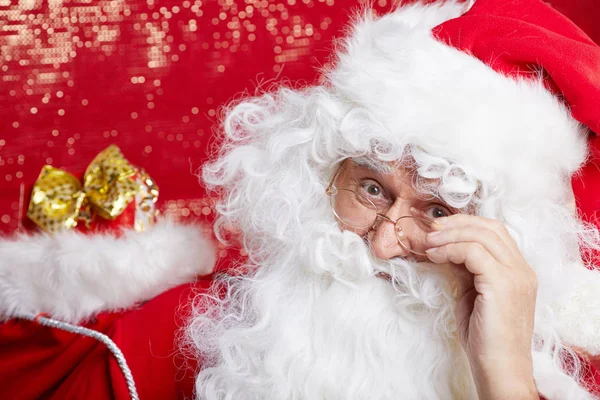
(316, 321)
(378, 202)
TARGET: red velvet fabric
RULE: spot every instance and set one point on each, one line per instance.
(38, 362)
(586, 186)
(518, 37)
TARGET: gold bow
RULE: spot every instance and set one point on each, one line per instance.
(110, 183)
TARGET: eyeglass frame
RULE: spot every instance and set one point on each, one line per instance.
(331, 190)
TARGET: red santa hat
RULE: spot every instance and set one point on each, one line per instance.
(521, 41)
(518, 37)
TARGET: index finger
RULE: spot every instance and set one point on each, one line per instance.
(475, 221)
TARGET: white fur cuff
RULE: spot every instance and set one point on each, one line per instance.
(72, 276)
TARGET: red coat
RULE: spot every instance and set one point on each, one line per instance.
(37, 362)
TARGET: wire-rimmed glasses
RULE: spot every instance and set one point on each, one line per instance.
(362, 214)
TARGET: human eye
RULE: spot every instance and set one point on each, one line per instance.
(437, 211)
(370, 188)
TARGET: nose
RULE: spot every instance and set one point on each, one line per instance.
(384, 238)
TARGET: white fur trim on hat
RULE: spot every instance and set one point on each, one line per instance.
(73, 276)
(452, 105)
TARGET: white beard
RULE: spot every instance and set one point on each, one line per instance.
(290, 332)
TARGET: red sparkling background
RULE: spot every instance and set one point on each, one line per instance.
(151, 76)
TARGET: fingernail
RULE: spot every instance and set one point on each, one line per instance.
(432, 250)
(441, 221)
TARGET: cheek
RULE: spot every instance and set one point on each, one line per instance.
(359, 232)
(346, 207)
(342, 204)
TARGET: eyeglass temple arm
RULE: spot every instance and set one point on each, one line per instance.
(329, 190)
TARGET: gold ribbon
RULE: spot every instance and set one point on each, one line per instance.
(59, 201)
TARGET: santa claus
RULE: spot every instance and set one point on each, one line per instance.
(409, 223)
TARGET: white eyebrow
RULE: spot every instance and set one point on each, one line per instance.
(375, 165)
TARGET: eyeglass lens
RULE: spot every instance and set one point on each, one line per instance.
(360, 215)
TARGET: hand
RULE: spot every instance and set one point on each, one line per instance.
(496, 293)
